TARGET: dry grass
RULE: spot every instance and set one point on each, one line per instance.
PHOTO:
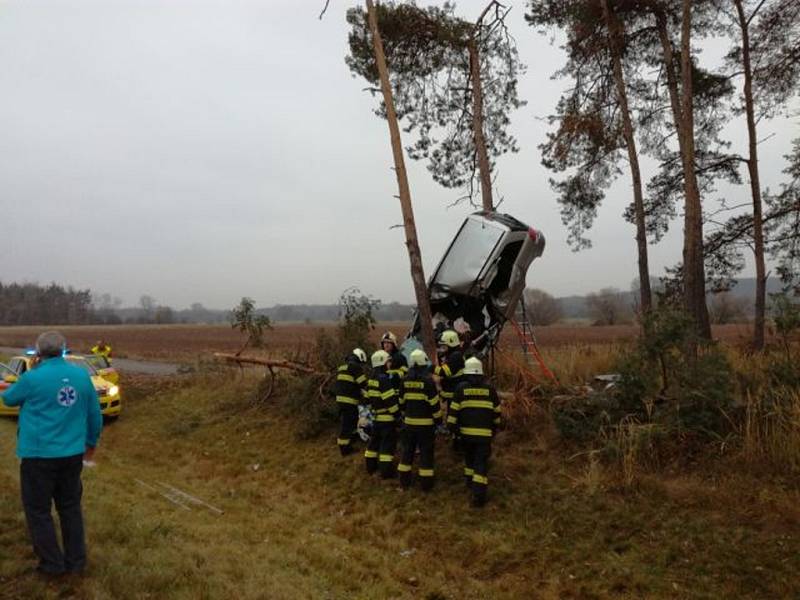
(188, 343)
(308, 524)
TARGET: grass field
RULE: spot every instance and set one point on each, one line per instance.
(301, 522)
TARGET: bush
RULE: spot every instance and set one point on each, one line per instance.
(356, 320)
(309, 397)
(669, 388)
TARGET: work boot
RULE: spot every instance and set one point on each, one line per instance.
(479, 496)
(426, 483)
(345, 450)
(405, 479)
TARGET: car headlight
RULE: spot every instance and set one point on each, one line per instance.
(113, 390)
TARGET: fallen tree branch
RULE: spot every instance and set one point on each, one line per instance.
(281, 364)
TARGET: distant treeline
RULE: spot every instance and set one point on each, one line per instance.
(32, 304)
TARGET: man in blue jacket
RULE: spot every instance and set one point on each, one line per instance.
(59, 426)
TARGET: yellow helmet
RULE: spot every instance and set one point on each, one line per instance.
(380, 358)
(450, 338)
(473, 366)
(389, 337)
(360, 355)
(418, 358)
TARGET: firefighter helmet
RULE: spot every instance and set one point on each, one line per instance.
(473, 366)
(418, 358)
(379, 358)
(389, 337)
(450, 339)
(360, 355)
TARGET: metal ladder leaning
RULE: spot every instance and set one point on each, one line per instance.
(528, 342)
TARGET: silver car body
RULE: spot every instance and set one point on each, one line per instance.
(480, 279)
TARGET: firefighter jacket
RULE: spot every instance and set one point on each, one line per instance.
(399, 364)
(351, 383)
(382, 396)
(451, 373)
(475, 409)
(104, 350)
(419, 399)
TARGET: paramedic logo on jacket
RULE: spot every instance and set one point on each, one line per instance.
(67, 396)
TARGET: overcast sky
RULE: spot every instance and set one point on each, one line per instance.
(201, 151)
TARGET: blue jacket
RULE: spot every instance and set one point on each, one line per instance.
(59, 411)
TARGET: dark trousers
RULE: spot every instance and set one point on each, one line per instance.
(348, 419)
(45, 481)
(381, 447)
(477, 451)
(414, 437)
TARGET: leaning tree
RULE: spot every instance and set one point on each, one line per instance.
(454, 84)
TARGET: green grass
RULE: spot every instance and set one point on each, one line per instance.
(309, 524)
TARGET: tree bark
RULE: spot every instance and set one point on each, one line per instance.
(477, 125)
(414, 254)
(694, 293)
(694, 268)
(615, 33)
(755, 185)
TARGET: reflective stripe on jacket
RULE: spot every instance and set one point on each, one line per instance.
(350, 383)
(451, 372)
(475, 409)
(399, 364)
(419, 400)
(382, 396)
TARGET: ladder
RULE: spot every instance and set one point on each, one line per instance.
(527, 340)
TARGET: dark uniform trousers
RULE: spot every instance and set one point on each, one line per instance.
(381, 447)
(45, 481)
(477, 450)
(349, 389)
(348, 418)
(424, 438)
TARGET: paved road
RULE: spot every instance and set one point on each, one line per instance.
(124, 365)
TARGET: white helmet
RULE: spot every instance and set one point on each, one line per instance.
(360, 355)
(450, 339)
(380, 358)
(418, 358)
(473, 366)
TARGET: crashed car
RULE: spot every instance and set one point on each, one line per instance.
(107, 393)
(480, 279)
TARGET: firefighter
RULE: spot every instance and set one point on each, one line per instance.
(102, 349)
(422, 413)
(450, 369)
(399, 365)
(476, 415)
(382, 398)
(350, 388)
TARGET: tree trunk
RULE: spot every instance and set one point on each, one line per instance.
(694, 293)
(755, 185)
(694, 268)
(414, 254)
(615, 33)
(477, 125)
